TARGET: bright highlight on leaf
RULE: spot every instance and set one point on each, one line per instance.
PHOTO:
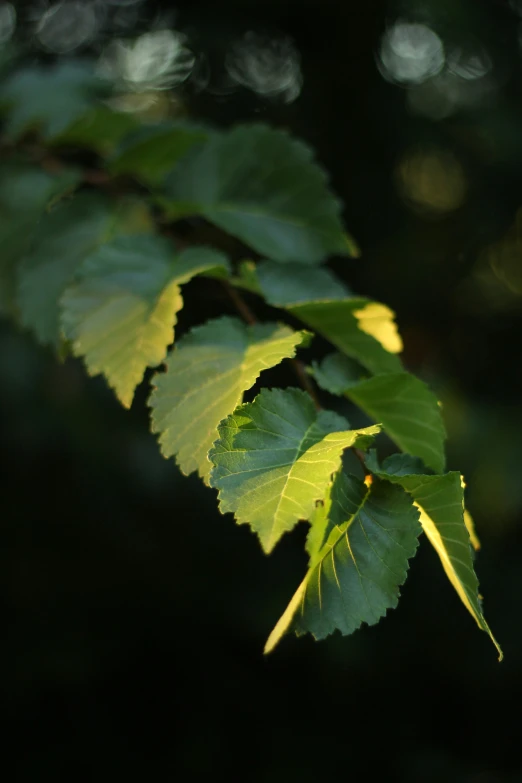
(361, 329)
(207, 373)
(120, 315)
(377, 320)
(274, 459)
(354, 577)
(337, 321)
(405, 406)
(440, 501)
(264, 188)
(468, 521)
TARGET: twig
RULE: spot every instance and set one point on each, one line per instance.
(241, 306)
(305, 381)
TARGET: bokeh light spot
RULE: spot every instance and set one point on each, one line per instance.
(410, 53)
(269, 67)
(431, 181)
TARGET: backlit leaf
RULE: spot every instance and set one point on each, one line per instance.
(121, 312)
(206, 375)
(338, 321)
(275, 457)
(441, 503)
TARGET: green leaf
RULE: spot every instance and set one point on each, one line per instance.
(354, 577)
(261, 186)
(246, 278)
(407, 409)
(345, 324)
(440, 500)
(121, 312)
(361, 329)
(62, 240)
(291, 284)
(50, 98)
(100, 129)
(152, 151)
(275, 457)
(207, 373)
(25, 193)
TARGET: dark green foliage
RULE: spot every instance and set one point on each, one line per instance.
(100, 274)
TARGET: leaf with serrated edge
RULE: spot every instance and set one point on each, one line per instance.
(440, 501)
(405, 406)
(355, 575)
(121, 312)
(207, 373)
(275, 457)
(262, 186)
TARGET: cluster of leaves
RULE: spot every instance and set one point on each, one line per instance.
(99, 273)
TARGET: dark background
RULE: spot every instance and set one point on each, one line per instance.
(134, 615)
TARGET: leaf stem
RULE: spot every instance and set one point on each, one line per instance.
(241, 306)
(306, 382)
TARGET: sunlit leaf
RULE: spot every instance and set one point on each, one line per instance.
(274, 459)
(207, 373)
(337, 321)
(377, 320)
(354, 577)
(441, 503)
(407, 409)
(468, 521)
(121, 312)
(261, 186)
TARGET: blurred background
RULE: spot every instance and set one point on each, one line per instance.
(133, 614)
